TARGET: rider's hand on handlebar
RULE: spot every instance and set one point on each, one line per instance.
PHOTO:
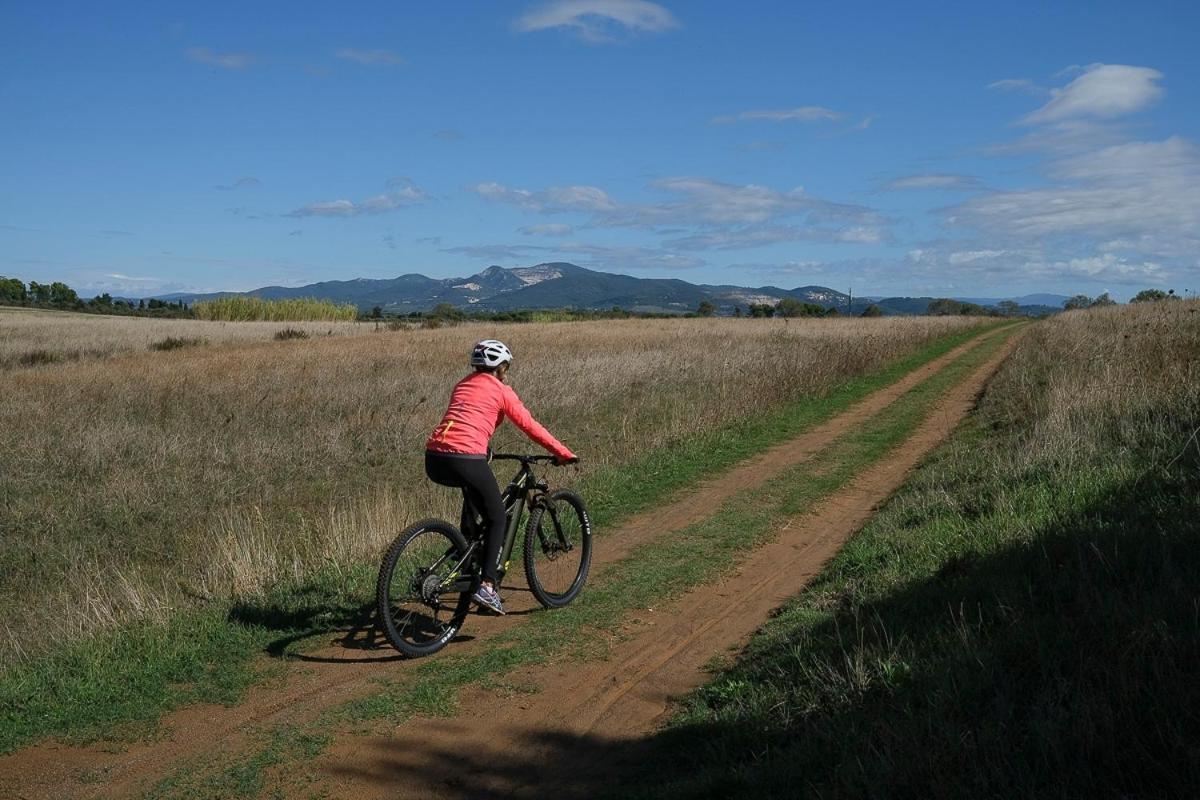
(562, 462)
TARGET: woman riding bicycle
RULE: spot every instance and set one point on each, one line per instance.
(456, 452)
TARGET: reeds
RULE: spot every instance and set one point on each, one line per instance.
(242, 308)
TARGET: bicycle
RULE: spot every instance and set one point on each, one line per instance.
(430, 571)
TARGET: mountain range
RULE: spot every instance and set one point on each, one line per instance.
(564, 285)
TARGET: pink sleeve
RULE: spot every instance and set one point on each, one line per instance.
(515, 410)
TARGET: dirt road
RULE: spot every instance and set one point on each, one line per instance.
(581, 709)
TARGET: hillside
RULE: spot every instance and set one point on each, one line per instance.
(551, 285)
(563, 285)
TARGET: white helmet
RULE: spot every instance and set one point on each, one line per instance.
(490, 353)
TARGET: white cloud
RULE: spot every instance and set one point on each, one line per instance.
(203, 55)
(938, 180)
(370, 57)
(1103, 91)
(800, 114)
(598, 20)
(401, 193)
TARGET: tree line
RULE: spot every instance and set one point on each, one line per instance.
(61, 297)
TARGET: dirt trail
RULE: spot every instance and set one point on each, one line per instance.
(350, 664)
(587, 723)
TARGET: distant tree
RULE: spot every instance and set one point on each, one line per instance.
(762, 310)
(1009, 308)
(737, 311)
(872, 311)
(1077, 302)
(944, 306)
(1103, 300)
(706, 308)
(12, 290)
(377, 312)
(141, 305)
(39, 292)
(446, 311)
(1153, 296)
(62, 295)
(791, 307)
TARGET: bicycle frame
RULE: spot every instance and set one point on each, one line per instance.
(521, 492)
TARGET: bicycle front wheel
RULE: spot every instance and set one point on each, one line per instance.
(418, 609)
(558, 548)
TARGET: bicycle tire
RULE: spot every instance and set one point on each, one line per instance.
(413, 635)
(548, 544)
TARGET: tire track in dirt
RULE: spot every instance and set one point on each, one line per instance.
(587, 725)
(339, 672)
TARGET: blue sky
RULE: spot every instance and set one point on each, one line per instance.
(898, 148)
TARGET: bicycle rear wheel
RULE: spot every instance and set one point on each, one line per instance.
(419, 610)
(558, 548)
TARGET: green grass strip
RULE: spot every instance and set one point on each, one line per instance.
(246, 775)
(120, 683)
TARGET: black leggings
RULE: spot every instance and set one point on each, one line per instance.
(473, 475)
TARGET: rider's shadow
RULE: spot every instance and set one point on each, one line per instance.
(304, 631)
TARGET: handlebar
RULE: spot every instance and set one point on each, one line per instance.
(522, 458)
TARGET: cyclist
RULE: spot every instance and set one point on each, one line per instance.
(456, 452)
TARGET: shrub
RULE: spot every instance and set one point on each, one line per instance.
(290, 333)
(177, 342)
(37, 357)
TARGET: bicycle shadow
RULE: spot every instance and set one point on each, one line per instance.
(355, 627)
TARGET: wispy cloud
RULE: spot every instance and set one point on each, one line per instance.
(549, 229)
(1023, 85)
(716, 215)
(554, 200)
(371, 57)
(447, 135)
(608, 257)
(401, 194)
(933, 180)
(1103, 91)
(240, 183)
(799, 114)
(598, 21)
(1144, 192)
(203, 55)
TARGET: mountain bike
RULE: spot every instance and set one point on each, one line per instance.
(432, 568)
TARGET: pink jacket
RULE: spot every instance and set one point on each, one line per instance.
(478, 404)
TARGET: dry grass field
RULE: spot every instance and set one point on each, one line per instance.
(31, 337)
(133, 483)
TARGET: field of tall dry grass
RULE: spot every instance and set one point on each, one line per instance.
(32, 337)
(132, 484)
